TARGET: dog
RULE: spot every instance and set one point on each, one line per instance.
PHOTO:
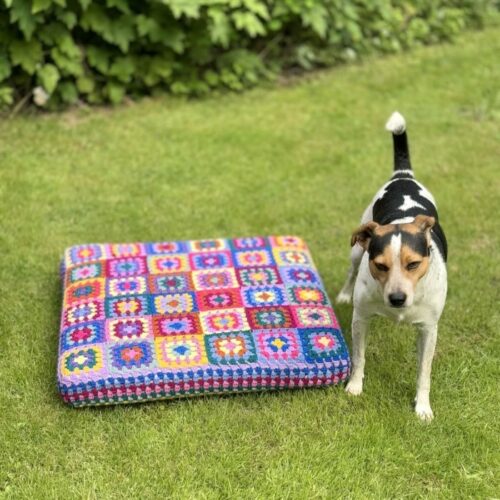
(398, 267)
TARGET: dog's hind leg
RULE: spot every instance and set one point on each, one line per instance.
(359, 332)
(426, 344)
(345, 295)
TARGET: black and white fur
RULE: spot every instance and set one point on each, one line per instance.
(399, 201)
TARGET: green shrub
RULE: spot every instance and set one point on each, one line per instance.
(100, 51)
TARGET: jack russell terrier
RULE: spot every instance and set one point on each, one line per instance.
(398, 267)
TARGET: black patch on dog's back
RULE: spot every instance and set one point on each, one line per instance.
(387, 209)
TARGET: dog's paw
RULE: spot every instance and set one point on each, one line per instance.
(424, 412)
(343, 298)
(354, 387)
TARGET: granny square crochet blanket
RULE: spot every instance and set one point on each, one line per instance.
(144, 321)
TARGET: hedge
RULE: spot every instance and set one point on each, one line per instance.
(58, 52)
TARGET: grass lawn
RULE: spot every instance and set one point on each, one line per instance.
(302, 159)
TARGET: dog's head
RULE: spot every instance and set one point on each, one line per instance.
(398, 256)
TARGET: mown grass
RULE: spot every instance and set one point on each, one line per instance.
(304, 160)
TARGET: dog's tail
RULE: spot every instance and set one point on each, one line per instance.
(397, 126)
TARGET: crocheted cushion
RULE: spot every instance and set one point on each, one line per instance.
(145, 321)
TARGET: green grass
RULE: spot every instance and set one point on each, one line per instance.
(303, 159)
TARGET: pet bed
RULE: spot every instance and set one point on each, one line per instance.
(146, 321)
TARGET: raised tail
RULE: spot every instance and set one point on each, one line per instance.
(397, 126)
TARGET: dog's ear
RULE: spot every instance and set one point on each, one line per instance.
(424, 222)
(363, 234)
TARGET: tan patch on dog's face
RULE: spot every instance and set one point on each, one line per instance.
(381, 265)
(413, 264)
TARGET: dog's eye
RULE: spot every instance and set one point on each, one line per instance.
(413, 265)
(381, 267)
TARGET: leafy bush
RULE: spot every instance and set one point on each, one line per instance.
(60, 51)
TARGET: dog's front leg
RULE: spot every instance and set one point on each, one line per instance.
(359, 331)
(426, 344)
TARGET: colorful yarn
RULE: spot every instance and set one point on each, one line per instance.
(146, 321)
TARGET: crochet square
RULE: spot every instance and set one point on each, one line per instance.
(210, 260)
(82, 361)
(161, 264)
(176, 324)
(307, 295)
(127, 286)
(231, 348)
(171, 319)
(166, 247)
(84, 253)
(250, 258)
(214, 279)
(207, 245)
(288, 242)
(270, 317)
(218, 299)
(180, 351)
(127, 266)
(292, 257)
(82, 312)
(314, 316)
(127, 249)
(127, 356)
(170, 303)
(321, 344)
(279, 344)
(85, 272)
(257, 276)
(128, 328)
(82, 334)
(127, 306)
(300, 275)
(259, 296)
(85, 290)
(170, 283)
(223, 320)
(252, 243)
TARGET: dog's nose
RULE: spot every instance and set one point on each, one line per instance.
(397, 299)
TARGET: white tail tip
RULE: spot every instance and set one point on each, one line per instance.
(396, 123)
